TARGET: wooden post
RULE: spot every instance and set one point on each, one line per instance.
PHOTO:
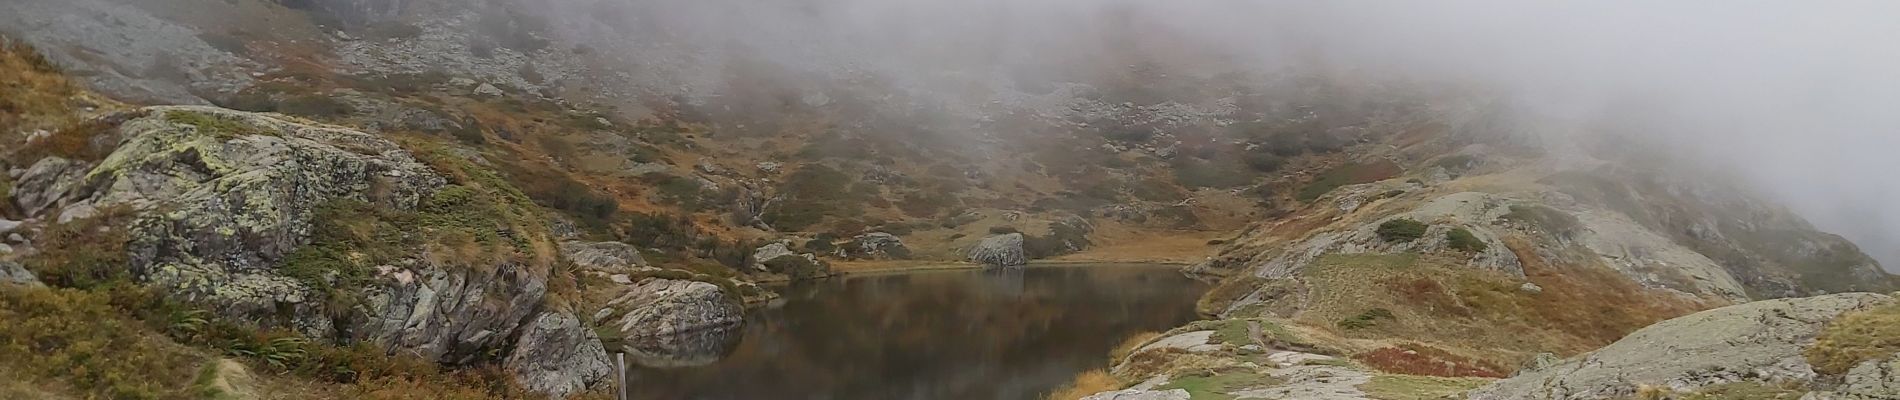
(620, 375)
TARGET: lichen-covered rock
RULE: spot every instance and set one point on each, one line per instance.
(1758, 342)
(220, 199)
(12, 273)
(999, 251)
(660, 307)
(875, 245)
(1874, 379)
(557, 355)
(45, 183)
(606, 257)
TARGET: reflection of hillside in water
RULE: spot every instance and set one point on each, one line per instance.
(1002, 334)
(690, 349)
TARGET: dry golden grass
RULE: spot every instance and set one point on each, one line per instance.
(1086, 383)
(1129, 345)
(1855, 338)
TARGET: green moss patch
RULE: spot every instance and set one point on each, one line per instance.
(1217, 385)
(1401, 230)
(1461, 239)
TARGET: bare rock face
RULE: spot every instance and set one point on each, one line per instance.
(558, 355)
(1755, 342)
(661, 307)
(605, 257)
(1004, 250)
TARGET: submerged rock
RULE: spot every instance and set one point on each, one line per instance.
(999, 251)
(1760, 342)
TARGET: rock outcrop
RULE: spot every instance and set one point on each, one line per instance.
(1004, 250)
(875, 245)
(660, 307)
(220, 199)
(778, 257)
(604, 257)
(1760, 342)
(558, 355)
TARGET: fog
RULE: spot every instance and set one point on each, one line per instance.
(1799, 99)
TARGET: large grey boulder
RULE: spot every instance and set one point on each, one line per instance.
(1000, 251)
(778, 257)
(660, 307)
(558, 355)
(1754, 342)
(605, 257)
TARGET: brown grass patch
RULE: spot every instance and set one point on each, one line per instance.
(1855, 338)
(1086, 383)
(1419, 359)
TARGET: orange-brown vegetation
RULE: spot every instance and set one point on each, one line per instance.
(1419, 359)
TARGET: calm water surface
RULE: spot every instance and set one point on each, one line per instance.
(1008, 334)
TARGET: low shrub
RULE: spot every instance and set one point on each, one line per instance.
(1461, 239)
(1401, 230)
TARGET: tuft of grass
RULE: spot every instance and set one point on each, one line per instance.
(1855, 338)
(84, 253)
(1226, 293)
(79, 338)
(1461, 239)
(1086, 383)
(214, 125)
(1129, 345)
(1413, 387)
(1402, 230)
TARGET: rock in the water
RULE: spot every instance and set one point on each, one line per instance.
(13, 273)
(1000, 251)
(660, 307)
(607, 257)
(559, 356)
(1755, 342)
(876, 245)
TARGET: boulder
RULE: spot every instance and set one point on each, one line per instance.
(488, 90)
(14, 274)
(558, 355)
(8, 226)
(1753, 342)
(43, 185)
(999, 251)
(778, 257)
(660, 307)
(606, 257)
(875, 245)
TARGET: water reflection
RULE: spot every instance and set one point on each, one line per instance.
(1000, 334)
(686, 350)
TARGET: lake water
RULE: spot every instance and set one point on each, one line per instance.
(1002, 334)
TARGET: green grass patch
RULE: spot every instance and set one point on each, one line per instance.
(214, 125)
(1365, 319)
(1461, 239)
(1412, 387)
(1218, 385)
(1401, 230)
